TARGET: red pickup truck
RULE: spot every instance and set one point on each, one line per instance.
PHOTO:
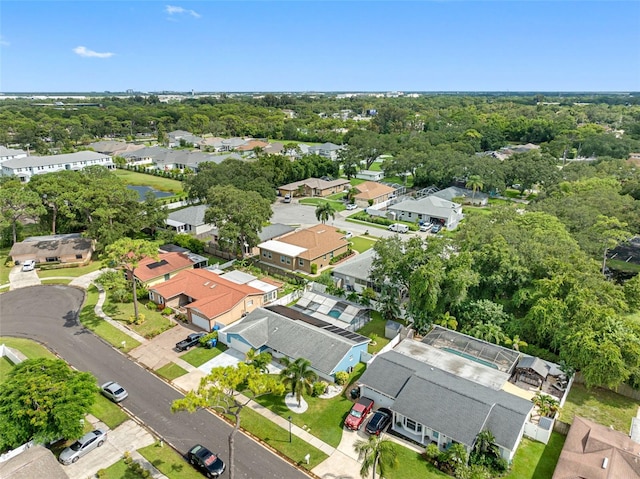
(358, 413)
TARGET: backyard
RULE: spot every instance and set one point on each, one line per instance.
(599, 405)
(375, 327)
(362, 243)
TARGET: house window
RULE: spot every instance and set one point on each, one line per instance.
(264, 253)
(269, 254)
(250, 302)
(288, 260)
(167, 276)
(412, 425)
(78, 256)
(282, 259)
(300, 262)
(51, 260)
(332, 254)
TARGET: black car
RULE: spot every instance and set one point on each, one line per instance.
(379, 421)
(191, 340)
(208, 463)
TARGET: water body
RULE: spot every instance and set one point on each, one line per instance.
(143, 190)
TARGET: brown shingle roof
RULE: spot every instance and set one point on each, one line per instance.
(251, 144)
(318, 240)
(370, 190)
(314, 183)
(52, 247)
(150, 268)
(587, 446)
(211, 294)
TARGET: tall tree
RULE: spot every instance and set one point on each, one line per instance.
(298, 376)
(238, 215)
(56, 190)
(612, 232)
(219, 391)
(376, 452)
(153, 213)
(475, 183)
(324, 211)
(43, 399)
(126, 254)
(18, 203)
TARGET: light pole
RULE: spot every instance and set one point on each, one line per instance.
(289, 428)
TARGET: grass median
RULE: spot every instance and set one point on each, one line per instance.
(171, 371)
(169, 462)
(108, 412)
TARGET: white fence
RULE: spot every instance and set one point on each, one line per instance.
(539, 432)
(287, 298)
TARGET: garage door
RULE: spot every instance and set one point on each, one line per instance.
(379, 399)
(200, 322)
(238, 344)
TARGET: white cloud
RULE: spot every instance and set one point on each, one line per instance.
(173, 10)
(4, 42)
(85, 52)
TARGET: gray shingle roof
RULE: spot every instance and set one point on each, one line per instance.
(274, 231)
(456, 407)
(33, 161)
(429, 205)
(192, 215)
(455, 192)
(358, 267)
(295, 339)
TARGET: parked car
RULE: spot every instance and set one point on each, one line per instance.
(352, 206)
(379, 421)
(436, 228)
(82, 446)
(29, 265)
(190, 341)
(287, 199)
(358, 413)
(398, 228)
(348, 235)
(114, 391)
(425, 227)
(208, 463)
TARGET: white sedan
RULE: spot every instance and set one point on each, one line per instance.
(352, 206)
(29, 265)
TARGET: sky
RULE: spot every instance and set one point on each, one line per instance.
(304, 46)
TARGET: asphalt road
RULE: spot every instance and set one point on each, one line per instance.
(48, 314)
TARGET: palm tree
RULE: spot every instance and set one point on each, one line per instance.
(374, 452)
(485, 447)
(298, 375)
(324, 211)
(475, 183)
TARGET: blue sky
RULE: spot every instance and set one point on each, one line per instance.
(212, 46)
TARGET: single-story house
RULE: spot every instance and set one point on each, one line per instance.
(175, 137)
(268, 286)
(189, 220)
(429, 209)
(314, 187)
(151, 271)
(453, 192)
(353, 274)
(444, 397)
(36, 461)
(326, 150)
(250, 145)
(207, 299)
(594, 451)
(114, 147)
(296, 335)
(63, 248)
(370, 175)
(372, 193)
(269, 232)
(298, 251)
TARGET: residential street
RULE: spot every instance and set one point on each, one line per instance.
(48, 314)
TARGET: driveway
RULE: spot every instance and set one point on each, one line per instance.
(48, 314)
(22, 279)
(231, 357)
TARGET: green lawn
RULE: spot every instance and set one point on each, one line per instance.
(141, 179)
(5, 265)
(153, 324)
(411, 465)
(99, 326)
(337, 205)
(199, 355)
(108, 412)
(169, 462)
(70, 272)
(29, 348)
(599, 405)
(56, 281)
(278, 438)
(5, 367)
(375, 326)
(535, 460)
(323, 419)
(119, 470)
(362, 243)
(171, 371)
(623, 266)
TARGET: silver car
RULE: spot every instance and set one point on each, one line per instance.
(82, 446)
(114, 391)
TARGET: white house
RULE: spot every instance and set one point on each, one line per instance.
(430, 209)
(25, 168)
(10, 154)
(189, 220)
(326, 150)
(370, 175)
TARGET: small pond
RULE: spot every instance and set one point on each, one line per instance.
(143, 190)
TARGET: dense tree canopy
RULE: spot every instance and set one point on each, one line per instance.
(44, 400)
